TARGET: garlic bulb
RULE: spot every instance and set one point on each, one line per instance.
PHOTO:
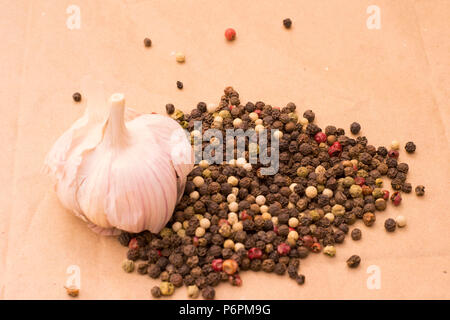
(124, 172)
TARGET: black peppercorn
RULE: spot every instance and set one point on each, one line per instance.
(420, 190)
(147, 42)
(156, 292)
(390, 225)
(356, 234)
(287, 23)
(410, 147)
(353, 261)
(170, 108)
(76, 97)
(355, 127)
(208, 293)
(179, 85)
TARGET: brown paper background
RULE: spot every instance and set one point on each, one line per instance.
(394, 81)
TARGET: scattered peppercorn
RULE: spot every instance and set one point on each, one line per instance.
(287, 23)
(128, 265)
(356, 234)
(179, 85)
(410, 147)
(390, 225)
(353, 261)
(156, 292)
(232, 218)
(170, 108)
(420, 190)
(72, 291)
(208, 293)
(147, 42)
(230, 34)
(76, 97)
(355, 127)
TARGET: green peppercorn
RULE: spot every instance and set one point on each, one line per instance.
(302, 172)
(355, 191)
(177, 115)
(128, 265)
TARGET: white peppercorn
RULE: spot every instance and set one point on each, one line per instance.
(311, 192)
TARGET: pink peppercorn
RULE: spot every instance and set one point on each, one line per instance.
(217, 264)
(258, 112)
(320, 137)
(133, 244)
(360, 181)
(159, 253)
(283, 249)
(385, 195)
(308, 241)
(393, 154)
(396, 198)
(254, 253)
(335, 149)
(195, 242)
(230, 34)
(291, 229)
(275, 229)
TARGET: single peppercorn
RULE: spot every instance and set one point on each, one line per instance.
(179, 85)
(230, 34)
(287, 23)
(356, 234)
(410, 147)
(156, 292)
(170, 108)
(390, 225)
(167, 288)
(147, 42)
(72, 291)
(128, 265)
(420, 190)
(208, 293)
(355, 127)
(76, 97)
(300, 279)
(353, 261)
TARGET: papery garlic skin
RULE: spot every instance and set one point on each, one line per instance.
(121, 173)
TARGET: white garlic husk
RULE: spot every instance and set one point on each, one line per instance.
(125, 172)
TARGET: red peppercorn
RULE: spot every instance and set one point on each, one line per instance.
(308, 241)
(235, 280)
(230, 34)
(276, 108)
(335, 149)
(159, 253)
(222, 222)
(257, 111)
(385, 195)
(283, 249)
(217, 264)
(396, 198)
(244, 215)
(291, 229)
(254, 253)
(360, 181)
(316, 247)
(133, 244)
(393, 154)
(320, 137)
(275, 229)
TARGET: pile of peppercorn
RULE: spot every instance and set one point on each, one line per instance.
(232, 218)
